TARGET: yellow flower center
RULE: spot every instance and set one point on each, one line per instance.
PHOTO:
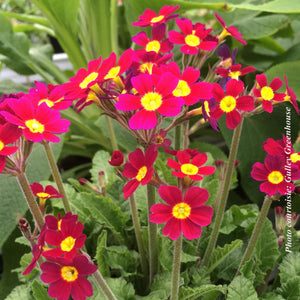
(113, 72)
(189, 169)
(1, 145)
(43, 195)
(275, 177)
(69, 273)
(153, 46)
(67, 244)
(47, 101)
(182, 89)
(85, 82)
(151, 101)
(156, 19)
(141, 173)
(207, 110)
(287, 98)
(159, 140)
(192, 40)
(267, 93)
(294, 157)
(181, 210)
(228, 104)
(59, 225)
(148, 66)
(235, 75)
(34, 126)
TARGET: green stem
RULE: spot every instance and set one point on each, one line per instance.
(256, 231)
(152, 236)
(224, 195)
(114, 26)
(112, 134)
(56, 175)
(103, 285)
(177, 137)
(176, 268)
(138, 235)
(33, 206)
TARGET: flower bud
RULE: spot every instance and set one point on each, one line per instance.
(117, 158)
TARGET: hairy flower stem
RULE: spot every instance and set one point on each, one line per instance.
(111, 133)
(104, 287)
(176, 268)
(32, 204)
(224, 195)
(256, 231)
(56, 175)
(152, 236)
(177, 137)
(139, 237)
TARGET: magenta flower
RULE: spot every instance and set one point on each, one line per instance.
(277, 178)
(234, 71)
(194, 37)
(290, 95)
(67, 277)
(187, 88)
(266, 93)
(189, 165)
(186, 215)
(159, 140)
(154, 95)
(149, 17)
(37, 123)
(230, 104)
(140, 168)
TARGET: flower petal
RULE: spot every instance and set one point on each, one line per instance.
(190, 230)
(170, 194)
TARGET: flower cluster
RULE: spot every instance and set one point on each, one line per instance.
(280, 168)
(60, 241)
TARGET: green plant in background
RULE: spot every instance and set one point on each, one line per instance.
(214, 266)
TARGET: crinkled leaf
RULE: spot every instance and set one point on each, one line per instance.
(247, 270)
(220, 253)
(271, 296)
(290, 290)
(187, 293)
(241, 288)
(290, 267)
(7, 86)
(39, 291)
(20, 292)
(165, 172)
(200, 276)
(291, 242)
(266, 249)
(100, 256)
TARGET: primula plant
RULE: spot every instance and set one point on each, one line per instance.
(165, 214)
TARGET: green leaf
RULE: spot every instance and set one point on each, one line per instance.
(266, 249)
(103, 210)
(290, 267)
(240, 289)
(100, 254)
(39, 291)
(7, 86)
(260, 27)
(12, 200)
(290, 235)
(271, 296)
(209, 148)
(290, 290)
(247, 270)
(187, 293)
(165, 172)
(220, 253)
(120, 258)
(20, 292)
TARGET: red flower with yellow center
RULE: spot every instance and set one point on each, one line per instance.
(234, 71)
(68, 239)
(208, 107)
(159, 140)
(193, 37)
(231, 30)
(186, 215)
(230, 104)
(140, 168)
(275, 176)
(267, 93)
(189, 165)
(153, 96)
(8, 134)
(52, 95)
(67, 277)
(149, 17)
(37, 123)
(187, 88)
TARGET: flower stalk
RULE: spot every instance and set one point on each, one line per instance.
(56, 175)
(256, 231)
(103, 285)
(224, 194)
